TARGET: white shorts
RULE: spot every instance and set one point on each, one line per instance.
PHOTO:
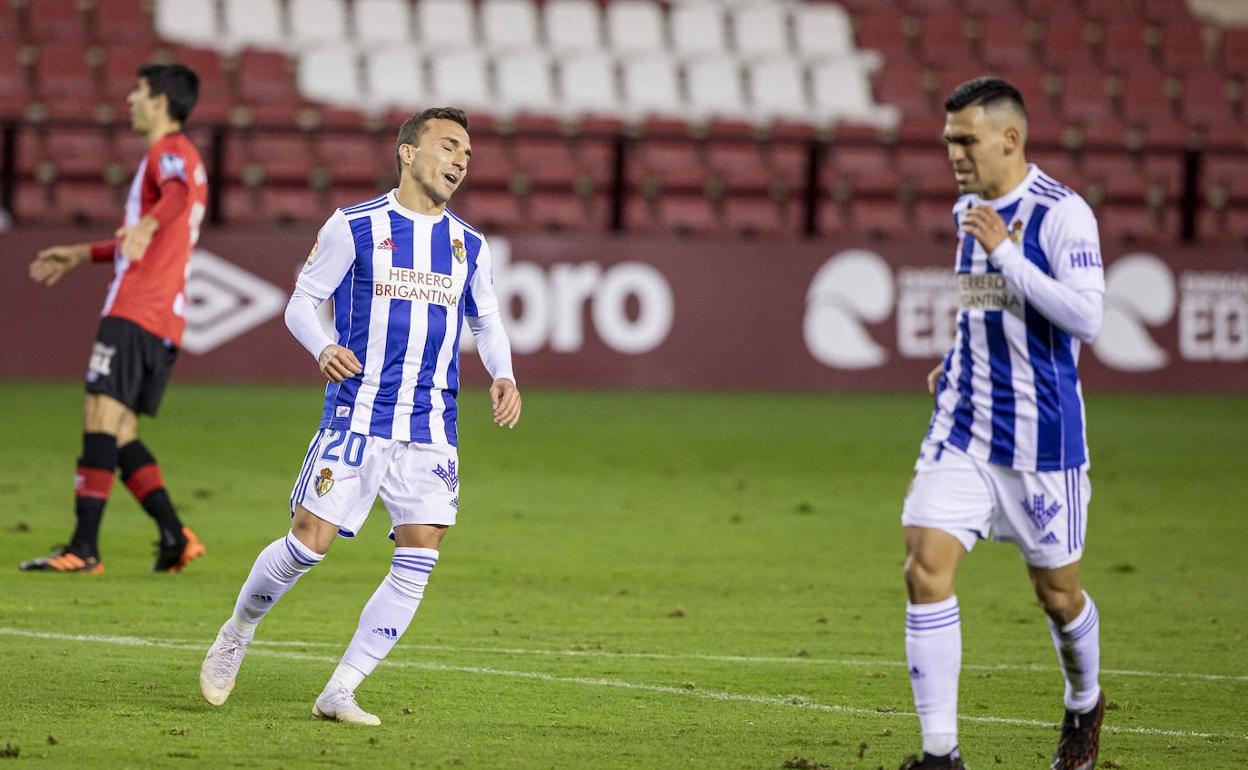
(344, 472)
(1045, 513)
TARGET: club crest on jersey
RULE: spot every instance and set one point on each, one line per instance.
(448, 475)
(1016, 232)
(324, 482)
(1040, 514)
(457, 249)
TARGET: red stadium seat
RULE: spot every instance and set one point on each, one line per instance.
(568, 212)
(884, 31)
(1057, 164)
(1205, 99)
(294, 204)
(79, 151)
(56, 20)
(492, 211)
(669, 213)
(284, 156)
(879, 219)
(33, 203)
(63, 71)
(926, 170)
(1166, 11)
(1118, 174)
(1183, 46)
(123, 22)
(992, 9)
(755, 216)
(740, 165)
(1135, 223)
(673, 162)
(831, 219)
(943, 42)
(1166, 170)
(1003, 43)
(1235, 50)
(1125, 45)
(868, 168)
(1145, 96)
(1065, 44)
(121, 62)
(1085, 97)
(910, 87)
(545, 161)
(88, 202)
(243, 206)
(359, 158)
(1107, 11)
(788, 163)
(934, 220)
(265, 77)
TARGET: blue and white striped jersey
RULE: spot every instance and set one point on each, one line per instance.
(1010, 392)
(402, 283)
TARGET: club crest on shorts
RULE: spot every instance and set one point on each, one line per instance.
(1040, 514)
(457, 248)
(448, 475)
(324, 482)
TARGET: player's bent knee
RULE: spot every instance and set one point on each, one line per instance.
(313, 531)
(926, 584)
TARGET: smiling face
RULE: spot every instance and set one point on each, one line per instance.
(985, 149)
(438, 162)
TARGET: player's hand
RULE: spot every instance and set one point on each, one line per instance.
(136, 239)
(53, 263)
(505, 400)
(338, 363)
(933, 377)
(985, 225)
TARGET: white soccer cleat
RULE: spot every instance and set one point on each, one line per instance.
(220, 667)
(339, 704)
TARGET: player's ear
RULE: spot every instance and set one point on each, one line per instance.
(1013, 139)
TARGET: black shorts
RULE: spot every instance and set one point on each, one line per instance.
(130, 364)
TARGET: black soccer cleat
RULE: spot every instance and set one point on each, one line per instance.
(175, 556)
(1081, 739)
(950, 761)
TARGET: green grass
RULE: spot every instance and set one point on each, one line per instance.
(694, 527)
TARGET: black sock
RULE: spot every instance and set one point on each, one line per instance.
(94, 480)
(142, 476)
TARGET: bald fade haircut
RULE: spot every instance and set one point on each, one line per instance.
(413, 127)
(987, 92)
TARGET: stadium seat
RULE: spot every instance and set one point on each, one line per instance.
(330, 75)
(492, 162)
(123, 21)
(573, 25)
(1003, 46)
(635, 27)
(33, 203)
(510, 24)
(1145, 96)
(842, 93)
(64, 71)
(760, 217)
(823, 31)
(675, 163)
(676, 214)
(651, 87)
(830, 218)
(1085, 98)
(546, 161)
(57, 21)
(1057, 163)
(121, 62)
(716, 89)
(285, 156)
(1065, 47)
(266, 77)
(492, 211)
(1128, 224)
(1117, 173)
(252, 23)
(933, 220)
(740, 165)
(461, 78)
(884, 32)
(1235, 50)
(525, 82)
(993, 9)
(317, 22)
(567, 212)
(878, 219)
(78, 151)
(778, 91)
(1205, 99)
(925, 170)
(354, 158)
(1124, 45)
(905, 86)
(698, 29)
(587, 83)
(943, 43)
(88, 202)
(1183, 46)
(446, 23)
(382, 22)
(395, 78)
(294, 204)
(191, 22)
(10, 25)
(1166, 170)
(761, 30)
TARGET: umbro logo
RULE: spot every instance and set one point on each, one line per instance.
(387, 633)
(387, 244)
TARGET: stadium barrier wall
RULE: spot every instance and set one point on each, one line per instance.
(596, 311)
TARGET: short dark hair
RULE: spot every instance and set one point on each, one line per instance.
(413, 127)
(176, 81)
(985, 91)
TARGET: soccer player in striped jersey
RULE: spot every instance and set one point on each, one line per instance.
(404, 273)
(1005, 455)
(142, 324)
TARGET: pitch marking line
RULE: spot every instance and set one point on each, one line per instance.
(715, 695)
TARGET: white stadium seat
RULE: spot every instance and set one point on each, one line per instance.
(761, 30)
(382, 21)
(635, 26)
(843, 92)
(395, 78)
(525, 82)
(461, 79)
(330, 74)
(698, 29)
(253, 23)
(715, 88)
(823, 31)
(444, 22)
(193, 22)
(509, 24)
(651, 87)
(778, 90)
(587, 85)
(317, 21)
(573, 25)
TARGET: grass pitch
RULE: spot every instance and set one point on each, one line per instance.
(637, 581)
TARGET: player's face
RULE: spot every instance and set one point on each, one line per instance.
(976, 149)
(440, 159)
(143, 106)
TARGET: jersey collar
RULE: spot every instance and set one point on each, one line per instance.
(412, 215)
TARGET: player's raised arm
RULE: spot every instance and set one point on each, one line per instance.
(331, 257)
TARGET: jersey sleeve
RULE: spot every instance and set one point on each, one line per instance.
(167, 162)
(331, 257)
(1070, 236)
(479, 299)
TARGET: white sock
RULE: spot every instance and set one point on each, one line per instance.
(278, 566)
(387, 615)
(934, 657)
(1078, 645)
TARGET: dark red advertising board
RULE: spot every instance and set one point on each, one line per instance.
(598, 311)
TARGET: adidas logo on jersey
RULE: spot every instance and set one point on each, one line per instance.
(387, 633)
(387, 244)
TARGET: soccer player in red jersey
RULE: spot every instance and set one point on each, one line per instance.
(142, 324)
